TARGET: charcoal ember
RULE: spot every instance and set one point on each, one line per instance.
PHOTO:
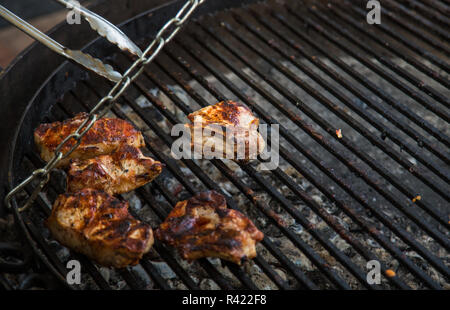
(164, 270)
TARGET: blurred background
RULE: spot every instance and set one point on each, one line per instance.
(43, 14)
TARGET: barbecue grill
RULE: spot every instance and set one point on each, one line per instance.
(378, 191)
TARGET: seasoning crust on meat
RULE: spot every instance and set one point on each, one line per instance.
(226, 113)
(106, 135)
(99, 225)
(234, 123)
(203, 226)
(124, 170)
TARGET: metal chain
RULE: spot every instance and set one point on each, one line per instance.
(164, 36)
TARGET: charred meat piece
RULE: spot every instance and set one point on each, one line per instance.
(228, 128)
(122, 171)
(106, 135)
(99, 225)
(203, 226)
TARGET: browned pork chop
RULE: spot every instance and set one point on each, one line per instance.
(124, 170)
(237, 134)
(203, 226)
(99, 225)
(105, 136)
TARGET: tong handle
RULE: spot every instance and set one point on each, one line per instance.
(32, 31)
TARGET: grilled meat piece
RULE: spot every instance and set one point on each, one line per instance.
(106, 135)
(203, 226)
(122, 171)
(99, 225)
(235, 131)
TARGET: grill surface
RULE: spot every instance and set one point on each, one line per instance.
(334, 203)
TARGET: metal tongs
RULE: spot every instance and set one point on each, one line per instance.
(98, 23)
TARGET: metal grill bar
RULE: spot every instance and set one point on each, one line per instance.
(424, 53)
(393, 47)
(428, 90)
(331, 221)
(440, 7)
(400, 85)
(419, 33)
(431, 12)
(131, 280)
(421, 140)
(423, 21)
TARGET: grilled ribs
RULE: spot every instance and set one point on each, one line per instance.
(231, 122)
(122, 171)
(106, 135)
(203, 226)
(99, 225)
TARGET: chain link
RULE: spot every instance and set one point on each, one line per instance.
(164, 36)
